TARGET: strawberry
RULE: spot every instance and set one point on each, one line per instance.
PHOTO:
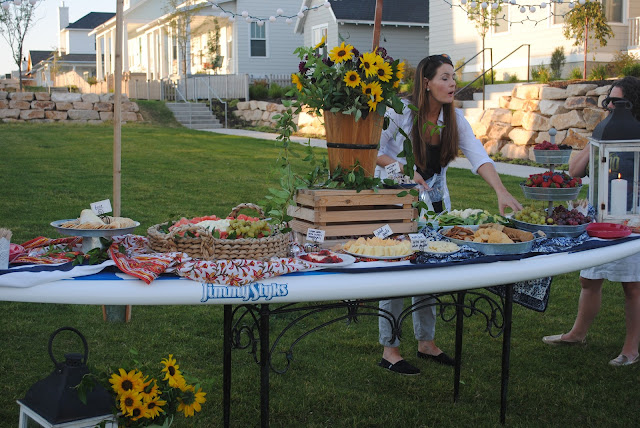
(557, 179)
(546, 184)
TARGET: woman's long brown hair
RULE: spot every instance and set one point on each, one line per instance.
(449, 134)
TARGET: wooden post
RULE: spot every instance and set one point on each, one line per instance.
(376, 26)
(115, 313)
(117, 111)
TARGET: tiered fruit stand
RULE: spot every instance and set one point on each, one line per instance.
(551, 158)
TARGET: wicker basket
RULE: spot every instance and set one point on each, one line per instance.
(205, 246)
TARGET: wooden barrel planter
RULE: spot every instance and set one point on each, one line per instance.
(349, 141)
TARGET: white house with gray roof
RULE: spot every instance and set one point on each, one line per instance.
(404, 30)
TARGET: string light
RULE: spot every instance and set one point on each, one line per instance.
(250, 18)
(467, 5)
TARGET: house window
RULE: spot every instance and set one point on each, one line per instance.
(316, 36)
(174, 48)
(612, 10)
(502, 20)
(559, 10)
(258, 43)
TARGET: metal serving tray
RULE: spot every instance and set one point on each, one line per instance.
(492, 249)
(550, 230)
(552, 157)
(551, 194)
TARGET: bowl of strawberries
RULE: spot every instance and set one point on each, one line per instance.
(551, 186)
(552, 154)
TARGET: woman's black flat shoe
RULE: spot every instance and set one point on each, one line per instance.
(401, 367)
(441, 358)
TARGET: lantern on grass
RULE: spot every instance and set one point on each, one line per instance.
(614, 166)
(54, 401)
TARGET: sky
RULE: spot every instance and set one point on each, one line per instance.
(43, 34)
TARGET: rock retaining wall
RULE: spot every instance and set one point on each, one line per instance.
(524, 118)
(63, 107)
(260, 113)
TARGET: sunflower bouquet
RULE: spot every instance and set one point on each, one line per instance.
(347, 81)
(142, 401)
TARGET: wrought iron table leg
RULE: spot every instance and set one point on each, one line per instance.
(226, 366)
(264, 366)
(506, 350)
(458, 351)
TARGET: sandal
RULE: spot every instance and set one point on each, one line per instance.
(623, 360)
(557, 339)
(401, 367)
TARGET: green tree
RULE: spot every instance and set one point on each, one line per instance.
(484, 19)
(557, 62)
(213, 47)
(15, 22)
(587, 22)
(181, 13)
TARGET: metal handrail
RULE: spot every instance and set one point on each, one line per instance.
(493, 66)
(185, 100)
(473, 57)
(215, 94)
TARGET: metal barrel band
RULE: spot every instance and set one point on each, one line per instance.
(351, 146)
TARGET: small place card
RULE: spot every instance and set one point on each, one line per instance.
(418, 241)
(383, 232)
(315, 235)
(393, 169)
(101, 207)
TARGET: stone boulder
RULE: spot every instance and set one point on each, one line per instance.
(65, 97)
(572, 119)
(579, 89)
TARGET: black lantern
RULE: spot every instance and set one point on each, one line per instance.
(54, 402)
(614, 165)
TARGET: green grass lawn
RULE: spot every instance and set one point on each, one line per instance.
(52, 171)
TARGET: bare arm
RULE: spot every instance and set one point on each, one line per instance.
(384, 160)
(488, 172)
(578, 163)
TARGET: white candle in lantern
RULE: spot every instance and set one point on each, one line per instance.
(618, 197)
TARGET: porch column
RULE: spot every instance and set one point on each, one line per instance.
(146, 39)
(99, 51)
(188, 49)
(125, 48)
(163, 53)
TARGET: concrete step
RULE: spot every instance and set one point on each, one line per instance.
(473, 115)
(194, 115)
(478, 104)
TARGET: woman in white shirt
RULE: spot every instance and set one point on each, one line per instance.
(434, 90)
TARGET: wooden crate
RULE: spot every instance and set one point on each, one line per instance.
(345, 214)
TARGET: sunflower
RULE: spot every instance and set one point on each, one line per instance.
(352, 78)
(319, 45)
(191, 400)
(295, 79)
(385, 73)
(154, 407)
(341, 53)
(400, 72)
(126, 381)
(138, 411)
(149, 391)
(173, 375)
(367, 63)
(129, 400)
(372, 89)
(373, 102)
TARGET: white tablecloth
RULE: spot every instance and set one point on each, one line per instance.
(119, 289)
